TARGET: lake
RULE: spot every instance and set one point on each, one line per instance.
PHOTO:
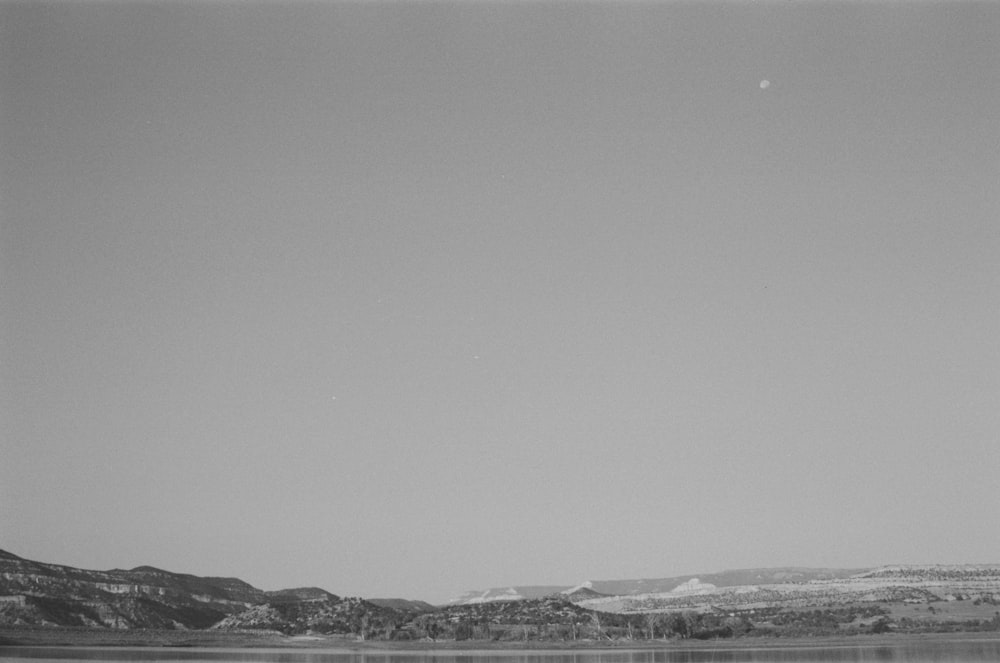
(943, 651)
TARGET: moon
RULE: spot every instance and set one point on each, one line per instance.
(764, 84)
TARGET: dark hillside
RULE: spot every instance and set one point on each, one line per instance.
(405, 605)
(549, 610)
(300, 594)
(342, 616)
(582, 594)
(37, 593)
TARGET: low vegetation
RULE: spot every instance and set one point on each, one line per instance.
(557, 619)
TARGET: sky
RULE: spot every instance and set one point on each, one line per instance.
(407, 299)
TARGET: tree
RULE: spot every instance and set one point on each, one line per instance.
(389, 625)
(596, 616)
(655, 621)
(463, 630)
(365, 625)
(679, 625)
(881, 626)
(432, 628)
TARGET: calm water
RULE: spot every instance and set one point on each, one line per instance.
(967, 651)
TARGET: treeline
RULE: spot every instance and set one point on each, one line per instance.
(573, 624)
(578, 624)
(911, 625)
(840, 620)
(551, 619)
(935, 573)
(556, 619)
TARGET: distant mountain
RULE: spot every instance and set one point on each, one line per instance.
(300, 594)
(37, 593)
(404, 605)
(514, 593)
(805, 587)
(731, 578)
(654, 585)
(581, 593)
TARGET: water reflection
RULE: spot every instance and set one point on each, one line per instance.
(972, 651)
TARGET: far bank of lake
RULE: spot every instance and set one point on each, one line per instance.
(171, 638)
(76, 646)
(905, 649)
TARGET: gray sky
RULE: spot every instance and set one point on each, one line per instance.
(411, 298)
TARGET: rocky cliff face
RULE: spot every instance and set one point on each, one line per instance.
(37, 593)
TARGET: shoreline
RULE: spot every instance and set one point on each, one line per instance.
(159, 639)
